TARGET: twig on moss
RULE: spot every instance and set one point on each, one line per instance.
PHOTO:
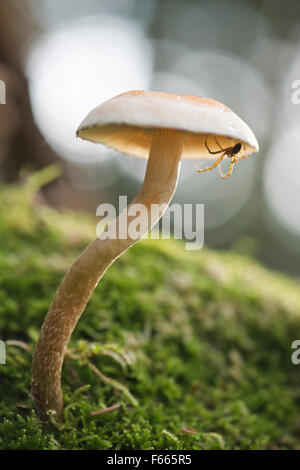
(110, 409)
(19, 344)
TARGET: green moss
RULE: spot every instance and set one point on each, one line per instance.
(176, 338)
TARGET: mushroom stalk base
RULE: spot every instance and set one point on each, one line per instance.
(80, 281)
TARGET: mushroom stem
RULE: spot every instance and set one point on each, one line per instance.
(82, 278)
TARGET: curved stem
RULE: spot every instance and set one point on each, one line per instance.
(80, 281)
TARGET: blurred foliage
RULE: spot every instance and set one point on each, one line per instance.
(195, 347)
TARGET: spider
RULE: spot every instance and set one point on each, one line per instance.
(230, 152)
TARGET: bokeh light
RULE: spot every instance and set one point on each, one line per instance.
(73, 69)
(214, 24)
(54, 12)
(282, 180)
(288, 111)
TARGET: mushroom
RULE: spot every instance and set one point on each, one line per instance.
(161, 128)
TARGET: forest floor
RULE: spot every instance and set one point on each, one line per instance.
(193, 348)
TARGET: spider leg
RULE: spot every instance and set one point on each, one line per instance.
(212, 153)
(214, 165)
(233, 161)
(223, 150)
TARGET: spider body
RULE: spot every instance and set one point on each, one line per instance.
(229, 152)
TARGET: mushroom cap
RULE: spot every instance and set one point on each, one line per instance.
(128, 121)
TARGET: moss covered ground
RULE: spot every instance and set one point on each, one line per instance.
(194, 348)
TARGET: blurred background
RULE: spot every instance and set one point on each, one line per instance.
(59, 59)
